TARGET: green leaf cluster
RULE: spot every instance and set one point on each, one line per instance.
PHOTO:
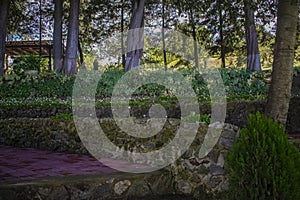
(45, 84)
(28, 62)
(244, 82)
(62, 116)
(262, 163)
(193, 118)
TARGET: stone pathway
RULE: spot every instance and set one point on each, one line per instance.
(28, 163)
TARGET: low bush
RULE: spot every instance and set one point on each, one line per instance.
(262, 163)
(46, 84)
(244, 83)
(28, 62)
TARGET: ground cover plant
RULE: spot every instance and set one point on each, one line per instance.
(51, 89)
(49, 86)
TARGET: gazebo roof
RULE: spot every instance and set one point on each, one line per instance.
(15, 48)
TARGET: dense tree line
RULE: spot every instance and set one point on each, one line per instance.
(223, 27)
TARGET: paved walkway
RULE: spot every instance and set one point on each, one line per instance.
(27, 163)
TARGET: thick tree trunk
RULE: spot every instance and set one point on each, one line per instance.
(135, 40)
(57, 36)
(282, 74)
(253, 57)
(70, 66)
(4, 7)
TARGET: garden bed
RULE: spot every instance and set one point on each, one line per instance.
(237, 111)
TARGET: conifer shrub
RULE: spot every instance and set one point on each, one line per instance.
(263, 164)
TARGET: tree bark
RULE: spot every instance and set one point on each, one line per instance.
(135, 40)
(122, 35)
(282, 74)
(194, 34)
(40, 28)
(57, 36)
(81, 56)
(4, 7)
(253, 57)
(163, 35)
(223, 54)
(70, 66)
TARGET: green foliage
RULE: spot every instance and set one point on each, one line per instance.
(108, 80)
(37, 102)
(63, 116)
(240, 84)
(244, 82)
(30, 62)
(193, 117)
(262, 163)
(46, 84)
(296, 71)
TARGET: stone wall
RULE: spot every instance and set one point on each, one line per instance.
(41, 133)
(97, 186)
(237, 112)
(207, 174)
(190, 173)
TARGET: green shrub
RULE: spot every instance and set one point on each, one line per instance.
(262, 163)
(244, 82)
(44, 84)
(29, 62)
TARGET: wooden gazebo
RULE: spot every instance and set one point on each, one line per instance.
(43, 48)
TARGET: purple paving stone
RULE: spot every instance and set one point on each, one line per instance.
(28, 163)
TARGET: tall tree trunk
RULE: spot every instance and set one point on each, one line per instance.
(163, 35)
(135, 40)
(81, 57)
(282, 74)
(70, 66)
(122, 35)
(194, 34)
(4, 7)
(223, 54)
(41, 28)
(57, 36)
(253, 57)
